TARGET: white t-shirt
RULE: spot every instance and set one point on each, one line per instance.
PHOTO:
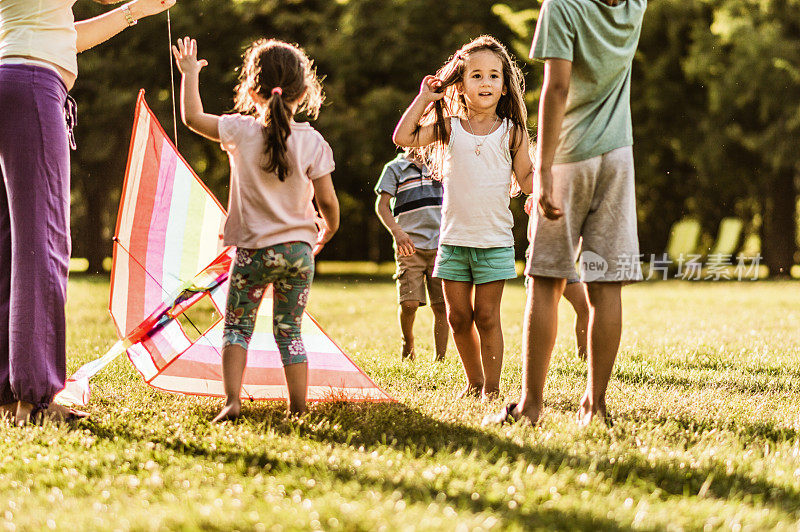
(475, 211)
(262, 210)
(44, 29)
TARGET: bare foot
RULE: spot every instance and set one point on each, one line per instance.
(8, 411)
(408, 351)
(54, 412)
(23, 413)
(490, 395)
(229, 412)
(472, 391)
(587, 412)
(533, 413)
(295, 412)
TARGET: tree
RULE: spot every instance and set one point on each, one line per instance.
(714, 101)
(748, 60)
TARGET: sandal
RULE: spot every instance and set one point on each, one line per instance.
(506, 415)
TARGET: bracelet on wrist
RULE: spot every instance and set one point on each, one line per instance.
(129, 18)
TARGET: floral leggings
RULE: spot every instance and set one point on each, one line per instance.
(289, 267)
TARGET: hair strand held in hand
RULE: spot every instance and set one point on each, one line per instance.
(511, 104)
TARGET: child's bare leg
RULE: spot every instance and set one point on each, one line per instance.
(538, 338)
(297, 382)
(605, 329)
(234, 360)
(441, 332)
(458, 298)
(487, 320)
(406, 314)
(576, 295)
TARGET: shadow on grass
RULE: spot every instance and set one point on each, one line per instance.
(417, 435)
(414, 489)
(748, 382)
(694, 427)
(411, 431)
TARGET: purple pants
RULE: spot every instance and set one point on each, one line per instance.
(34, 233)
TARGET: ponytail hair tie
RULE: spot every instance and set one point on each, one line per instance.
(277, 90)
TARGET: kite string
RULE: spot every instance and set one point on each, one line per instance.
(172, 81)
(164, 290)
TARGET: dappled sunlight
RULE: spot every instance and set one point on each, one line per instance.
(705, 430)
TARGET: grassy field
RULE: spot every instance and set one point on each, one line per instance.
(705, 395)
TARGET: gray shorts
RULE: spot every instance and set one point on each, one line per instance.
(598, 199)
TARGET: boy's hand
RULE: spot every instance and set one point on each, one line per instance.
(547, 206)
(403, 243)
(186, 57)
(429, 88)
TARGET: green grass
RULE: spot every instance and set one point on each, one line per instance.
(705, 393)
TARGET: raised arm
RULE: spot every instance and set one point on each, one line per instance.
(101, 28)
(552, 105)
(406, 133)
(328, 205)
(192, 112)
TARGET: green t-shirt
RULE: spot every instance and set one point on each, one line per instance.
(600, 41)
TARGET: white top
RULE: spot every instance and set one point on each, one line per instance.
(263, 210)
(44, 29)
(475, 211)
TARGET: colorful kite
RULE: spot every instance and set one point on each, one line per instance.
(168, 256)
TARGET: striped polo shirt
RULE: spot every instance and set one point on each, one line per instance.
(416, 200)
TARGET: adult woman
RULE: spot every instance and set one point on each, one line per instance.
(39, 42)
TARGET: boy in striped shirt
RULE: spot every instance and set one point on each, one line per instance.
(409, 205)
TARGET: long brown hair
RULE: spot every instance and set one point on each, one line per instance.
(282, 74)
(511, 105)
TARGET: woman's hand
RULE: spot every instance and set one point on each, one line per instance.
(430, 87)
(186, 57)
(145, 8)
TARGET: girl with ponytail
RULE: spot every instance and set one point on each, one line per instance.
(278, 166)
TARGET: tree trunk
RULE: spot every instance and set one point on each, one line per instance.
(778, 242)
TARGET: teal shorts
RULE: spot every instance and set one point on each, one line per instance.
(474, 265)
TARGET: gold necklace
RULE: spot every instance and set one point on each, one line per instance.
(479, 144)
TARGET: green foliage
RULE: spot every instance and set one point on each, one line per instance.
(706, 431)
(714, 101)
(372, 53)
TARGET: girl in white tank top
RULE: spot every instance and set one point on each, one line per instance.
(470, 119)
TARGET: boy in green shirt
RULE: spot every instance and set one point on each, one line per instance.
(584, 167)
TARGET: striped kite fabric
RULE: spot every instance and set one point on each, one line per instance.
(168, 256)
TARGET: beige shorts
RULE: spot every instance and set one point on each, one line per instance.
(414, 272)
(598, 199)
